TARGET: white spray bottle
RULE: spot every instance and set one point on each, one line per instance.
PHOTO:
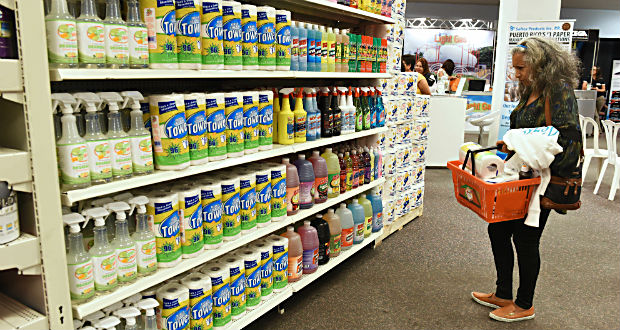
(103, 254)
(129, 314)
(132, 300)
(89, 236)
(107, 323)
(138, 37)
(342, 104)
(71, 148)
(126, 253)
(109, 309)
(351, 108)
(116, 37)
(131, 221)
(79, 262)
(92, 318)
(144, 237)
(149, 305)
(140, 137)
(99, 154)
(119, 140)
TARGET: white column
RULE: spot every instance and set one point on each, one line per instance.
(511, 11)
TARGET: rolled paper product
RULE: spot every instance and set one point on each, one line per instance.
(190, 210)
(250, 37)
(247, 197)
(252, 264)
(216, 126)
(231, 220)
(488, 164)
(231, 23)
(195, 113)
(200, 300)
(236, 267)
(169, 129)
(220, 287)
(266, 26)
(211, 34)
(211, 200)
(234, 124)
(279, 246)
(266, 264)
(163, 208)
(173, 300)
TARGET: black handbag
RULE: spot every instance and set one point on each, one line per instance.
(563, 193)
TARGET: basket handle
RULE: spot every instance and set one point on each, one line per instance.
(472, 153)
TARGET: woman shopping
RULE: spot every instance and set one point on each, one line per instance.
(407, 65)
(547, 74)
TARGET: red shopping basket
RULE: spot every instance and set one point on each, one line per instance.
(493, 202)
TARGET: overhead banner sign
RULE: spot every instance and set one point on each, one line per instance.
(560, 31)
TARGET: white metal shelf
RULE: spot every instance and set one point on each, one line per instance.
(21, 253)
(15, 169)
(333, 262)
(264, 307)
(72, 196)
(115, 74)
(14, 315)
(143, 283)
(11, 75)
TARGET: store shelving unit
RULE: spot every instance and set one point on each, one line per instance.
(28, 163)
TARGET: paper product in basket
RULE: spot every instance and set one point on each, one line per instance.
(488, 164)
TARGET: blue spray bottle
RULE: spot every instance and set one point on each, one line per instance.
(308, 105)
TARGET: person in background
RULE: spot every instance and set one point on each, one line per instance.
(596, 83)
(446, 70)
(407, 65)
(546, 73)
(421, 66)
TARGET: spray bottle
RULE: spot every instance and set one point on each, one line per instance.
(129, 314)
(71, 148)
(103, 254)
(311, 114)
(99, 154)
(124, 197)
(91, 37)
(365, 107)
(92, 318)
(79, 262)
(138, 37)
(62, 48)
(276, 111)
(327, 117)
(336, 113)
(342, 104)
(286, 119)
(380, 108)
(132, 300)
(301, 118)
(139, 137)
(150, 320)
(144, 237)
(107, 323)
(119, 140)
(109, 309)
(127, 267)
(116, 37)
(317, 128)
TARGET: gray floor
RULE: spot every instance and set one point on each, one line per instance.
(421, 277)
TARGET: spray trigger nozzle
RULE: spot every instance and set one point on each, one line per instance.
(148, 305)
(119, 208)
(132, 98)
(97, 213)
(89, 100)
(138, 202)
(107, 322)
(65, 101)
(73, 220)
(129, 314)
(112, 99)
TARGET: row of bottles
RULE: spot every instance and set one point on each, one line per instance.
(379, 7)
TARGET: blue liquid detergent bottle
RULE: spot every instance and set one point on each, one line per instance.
(310, 134)
(377, 209)
(372, 104)
(380, 109)
(318, 48)
(358, 221)
(294, 46)
(303, 46)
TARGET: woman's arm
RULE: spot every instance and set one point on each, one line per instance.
(423, 86)
(584, 86)
(602, 89)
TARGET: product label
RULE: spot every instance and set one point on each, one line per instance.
(188, 31)
(323, 252)
(295, 47)
(232, 36)
(266, 271)
(250, 37)
(343, 181)
(138, 45)
(322, 187)
(161, 21)
(338, 52)
(73, 163)
(192, 235)
(346, 237)
(349, 179)
(169, 132)
(265, 119)
(359, 233)
(310, 259)
(174, 314)
(200, 309)
(105, 272)
(280, 267)
(278, 194)
(101, 167)
(127, 267)
(367, 226)
(147, 256)
(334, 244)
(367, 120)
(377, 222)
(62, 45)
(263, 198)
(212, 33)
(141, 154)
(231, 204)
(295, 267)
(221, 301)
(212, 217)
(116, 43)
(252, 282)
(303, 49)
(121, 156)
(334, 185)
(197, 129)
(290, 128)
(91, 42)
(248, 205)
(81, 280)
(216, 127)
(266, 39)
(292, 196)
(250, 122)
(300, 127)
(237, 291)
(306, 196)
(234, 125)
(167, 229)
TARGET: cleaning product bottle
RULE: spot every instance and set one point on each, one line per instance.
(292, 188)
(91, 37)
(79, 262)
(365, 203)
(71, 148)
(107, 323)
(336, 114)
(310, 245)
(349, 165)
(331, 50)
(338, 50)
(62, 46)
(342, 104)
(355, 170)
(350, 111)
(321, 183)
(129, 314)
(348, 226)
(345, 50)
(126, 252)
(302, 29)
(139, 137)
(311, 115)
(343, 173)
(324, 48)
(306, 182)
(99, 156)
(360, 164)
(119, 140)
(335, 230)
(333, 173)
(367, 166)
(138, 37)
(359, 112)
(323, 233)
(301, 118)
(116, 37)
(103, 254)
(365, 108)
(377, 209)
(317, 128)
(373, 107)
(311, 46)
(359, 220)
(295, 254)
(294, 46)
(378, 163)
(276, 112)
(327, 119)
(373, 169)
(150, 320)
(145, 239)
(286, 119)
(380, 108)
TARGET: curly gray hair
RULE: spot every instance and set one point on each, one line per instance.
(552, 67)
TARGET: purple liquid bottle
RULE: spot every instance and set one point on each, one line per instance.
(310, 244)
(306, 182)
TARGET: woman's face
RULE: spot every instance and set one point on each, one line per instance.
(593, 71)
(522, 69)
(418, 67)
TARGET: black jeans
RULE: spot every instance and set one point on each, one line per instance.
(526, 240)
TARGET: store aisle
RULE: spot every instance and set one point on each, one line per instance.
(421, 277)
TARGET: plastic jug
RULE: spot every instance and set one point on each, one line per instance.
(335, 230)
(322, 230)
(292, 188)
(306, 181)
(358, 220)
(377, 210)
(333, 173)
(286, 119)
(367, 214)
(320, 177)
(295, 254)
(347, 225)
(310, 245)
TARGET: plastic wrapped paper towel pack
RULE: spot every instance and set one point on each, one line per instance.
(488, 164)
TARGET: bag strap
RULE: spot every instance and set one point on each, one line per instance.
(548, 111)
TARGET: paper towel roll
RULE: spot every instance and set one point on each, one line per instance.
(250, 37)
(216, 126)
(266, 264)
(165, 220)
(169, 130)
(190, 214)
(266, 25)
(265, 125)
(279, 246)
(232, 35)
(233, 108)
(220, 288)
(236, 268)
(488, 164)
(173, 300)
(263, 196)
(250, 122)
(200, 300)
(278, 192)
(211, 200)
(252, 265)
(247, 198)
(196, 119)
(231, 220)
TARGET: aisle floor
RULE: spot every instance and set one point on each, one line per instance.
(421, 277)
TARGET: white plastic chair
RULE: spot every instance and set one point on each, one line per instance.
(611, 133)
(595, 152)
(482, 122)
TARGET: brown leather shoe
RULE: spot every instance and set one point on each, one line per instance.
(510, 314)
(490, 300)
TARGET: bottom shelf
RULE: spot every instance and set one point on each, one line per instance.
(263, 308)
(14, 315)
(400, 222)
